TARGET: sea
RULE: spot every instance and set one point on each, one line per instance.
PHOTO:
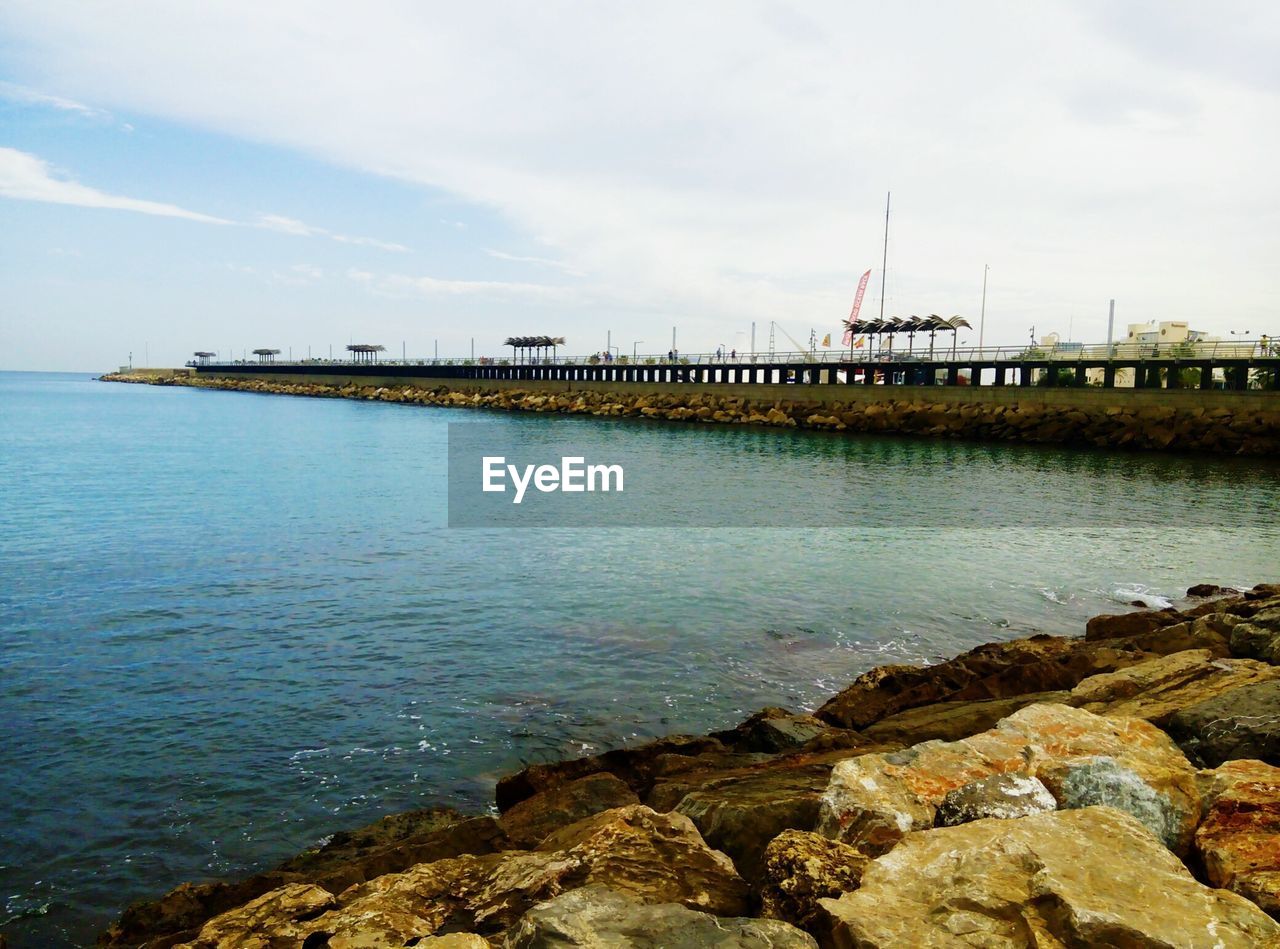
(231, 623)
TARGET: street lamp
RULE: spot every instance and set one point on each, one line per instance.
(633, 349)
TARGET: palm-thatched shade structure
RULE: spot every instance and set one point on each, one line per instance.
(538, 343)
(365, 352)
(932, 324)
(266, 355)
(203, 357)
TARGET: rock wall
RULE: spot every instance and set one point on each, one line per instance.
(1105, 813)
(1243, 426)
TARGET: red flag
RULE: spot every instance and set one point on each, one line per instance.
(857, 301)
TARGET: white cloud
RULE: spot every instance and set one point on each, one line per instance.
(28, 178)
(541, 261)
(287, 225)
(13, 92)
(718, 163)
(395, 284)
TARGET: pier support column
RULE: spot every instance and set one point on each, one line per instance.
(1081, 376)
(1108, 376)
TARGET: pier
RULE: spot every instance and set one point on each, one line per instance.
(1230, 367)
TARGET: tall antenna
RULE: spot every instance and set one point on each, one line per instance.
(884, 265)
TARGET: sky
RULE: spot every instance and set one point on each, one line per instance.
(429, 176)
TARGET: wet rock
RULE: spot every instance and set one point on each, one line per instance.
(800, 868)
(996, 670)
(1120, 625)
(1240, 723)
(951, 721)
(1201, 590)
(660, 857)
(772, 730)
(1239, 839)
(528, 822)
(1093, 877)
(274, 918)
(741, 814)
(634, 766)
(1157, 688)
(656, 858)
(874, 800)
(596, 917)
(1259, 637)
(1003, 796)
(179, 914)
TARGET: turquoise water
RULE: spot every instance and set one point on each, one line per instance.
(233, 623)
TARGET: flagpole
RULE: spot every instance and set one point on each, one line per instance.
(884, 265)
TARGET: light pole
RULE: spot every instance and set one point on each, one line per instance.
(633, 349)
(982, 320)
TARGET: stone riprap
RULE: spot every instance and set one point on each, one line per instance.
(1117, 424)
(1039, 792)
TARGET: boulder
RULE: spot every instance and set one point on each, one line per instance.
(634, 766)
(1157, 688)
(657, 858)
(741, 814)
(1201, 590)
(1003, 796)
(388, 845)
(1120, 625)
(271, 919)
(597, 917)
(1253, 641)
(953, 720)
(1241, 723)
(996, 670)
(1259, 637)
(772, 730)
(800, 868)
(528, 822)
(1083, 759)
(1091, 877)
(1238, 841)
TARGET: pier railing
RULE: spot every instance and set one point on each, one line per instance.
(882, 351)
(1233, 366)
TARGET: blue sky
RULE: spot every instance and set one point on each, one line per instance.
(224, 176)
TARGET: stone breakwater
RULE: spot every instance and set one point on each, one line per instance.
(1185, 427)
(1116, 789)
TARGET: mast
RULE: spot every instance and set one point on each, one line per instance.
(884, 265)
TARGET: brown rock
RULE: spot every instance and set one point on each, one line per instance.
(1092, 877)
(800, 868)
(634, 766)
(1128, 624)
(1157, 688)
(772, 730)
(996, 670)
(741, 814)
(528, 822)
(273, 919)
(388, 845)
(873, 800)
(596, 917)
(1239, 839)
(1206, 589)
(951, 721)
(656, 858)
(1240, 723)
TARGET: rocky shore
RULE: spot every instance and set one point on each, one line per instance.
(1150, 427)
(1118, 789)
